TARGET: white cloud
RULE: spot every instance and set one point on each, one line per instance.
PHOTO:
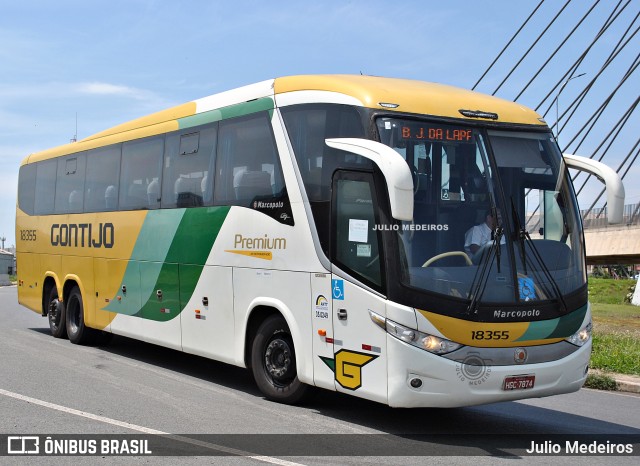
(100, 88)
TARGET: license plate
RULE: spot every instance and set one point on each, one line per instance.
(518, 382)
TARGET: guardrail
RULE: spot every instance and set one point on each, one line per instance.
(597, 217)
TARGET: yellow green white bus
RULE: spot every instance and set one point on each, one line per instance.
(314, 230)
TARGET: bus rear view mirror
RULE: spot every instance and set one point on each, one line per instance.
(608, 176)
(394, 168)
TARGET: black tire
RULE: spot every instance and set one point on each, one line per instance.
(78, 333)
(273, 362)
(56, 313)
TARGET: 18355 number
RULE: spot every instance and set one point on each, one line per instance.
(489, 334)
(28, 235)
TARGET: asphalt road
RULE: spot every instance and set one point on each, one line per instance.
(49, 386)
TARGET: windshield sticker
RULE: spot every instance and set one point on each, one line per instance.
(358, 230)
(527, 289)
(363, 250)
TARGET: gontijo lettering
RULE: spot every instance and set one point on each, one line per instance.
(83, 235)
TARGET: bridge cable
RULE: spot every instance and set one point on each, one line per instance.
(617, 128)
(602, 210)
(599, 111)
(609, 21)
(556, 50)
(591, 121)
(614, 54)
(506, 46)
(532, 46)
(573, 107)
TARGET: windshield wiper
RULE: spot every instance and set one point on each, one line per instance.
(487, 262)
(483, 278)
(520, 231)
(497, 238)
(524, 239)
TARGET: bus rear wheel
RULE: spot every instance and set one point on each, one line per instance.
(56, 314)
(78, 333)
(273, 362)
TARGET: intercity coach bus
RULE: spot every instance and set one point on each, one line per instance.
(315, 230)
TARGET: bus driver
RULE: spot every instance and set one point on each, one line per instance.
(479, 235)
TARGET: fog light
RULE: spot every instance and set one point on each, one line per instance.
(416, 382)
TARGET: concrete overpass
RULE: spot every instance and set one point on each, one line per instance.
(612, 244)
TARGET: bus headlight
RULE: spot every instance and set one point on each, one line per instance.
(581, 336)
(420, 340)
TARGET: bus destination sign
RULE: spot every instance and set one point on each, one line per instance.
(434, 133)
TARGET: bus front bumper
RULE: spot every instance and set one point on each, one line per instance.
(418, 378)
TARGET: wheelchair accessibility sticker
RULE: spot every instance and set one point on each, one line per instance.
(527, 289)
(337, 287)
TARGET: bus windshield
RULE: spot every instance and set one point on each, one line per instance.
(495, 217)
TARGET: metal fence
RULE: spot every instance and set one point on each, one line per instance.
(597, 217)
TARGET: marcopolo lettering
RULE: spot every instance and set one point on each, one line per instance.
(268, 205)
(500, 314)
(84, 235)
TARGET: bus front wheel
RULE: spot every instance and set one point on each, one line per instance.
(57, 314)
(273, 361)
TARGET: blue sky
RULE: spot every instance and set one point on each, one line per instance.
(112, 61)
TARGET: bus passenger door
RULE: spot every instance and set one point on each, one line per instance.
(359, 344)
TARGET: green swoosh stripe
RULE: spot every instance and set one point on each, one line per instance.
(232, 111)
(561, 327)
(169, 255)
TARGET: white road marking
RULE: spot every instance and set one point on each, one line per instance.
(76, 412)
(146, 430)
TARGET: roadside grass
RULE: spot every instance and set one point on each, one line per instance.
(616, 327)
(607, 291)
(600, 382)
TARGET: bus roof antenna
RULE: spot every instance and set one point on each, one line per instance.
(75, 136)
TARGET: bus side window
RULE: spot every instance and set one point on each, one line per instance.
(70, 184)
(26, 188)
(103, 176)
(140, 174)
(356, 240)
(45, 187)
(189, 159)
(248, 167)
